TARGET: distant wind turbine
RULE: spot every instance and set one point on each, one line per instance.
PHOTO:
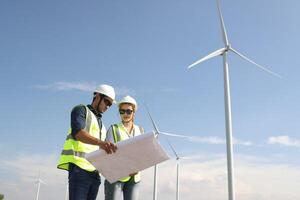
(223, 52)
(178, 158)
(39, 181)
(4, 184)
(157, 132)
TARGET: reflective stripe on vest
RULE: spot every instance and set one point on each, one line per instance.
(119, 134)
(74, 151)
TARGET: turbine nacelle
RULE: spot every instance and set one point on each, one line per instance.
(228, 47)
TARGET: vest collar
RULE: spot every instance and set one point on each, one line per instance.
(121, 125)
(94, 111)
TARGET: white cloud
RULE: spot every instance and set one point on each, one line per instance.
(82, 86)
(242, 142)
(62, 86)
(199, 179)
(218, 140)
(208, 140)
(208, 180)
(19, 175)
(284, 140)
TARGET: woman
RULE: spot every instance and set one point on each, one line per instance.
(127, 186)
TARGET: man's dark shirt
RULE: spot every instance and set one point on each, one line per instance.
(78, 118)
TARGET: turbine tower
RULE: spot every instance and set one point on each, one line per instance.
(67, 191)
(223, 52)
(39, 181)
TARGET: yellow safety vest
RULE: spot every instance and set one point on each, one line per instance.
(74, 151)
(119, 134)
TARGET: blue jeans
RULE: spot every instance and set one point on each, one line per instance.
(83, 185)
(114, 191)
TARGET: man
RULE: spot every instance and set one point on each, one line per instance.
(87, 134)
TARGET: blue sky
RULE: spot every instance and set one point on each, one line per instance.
(54, 52)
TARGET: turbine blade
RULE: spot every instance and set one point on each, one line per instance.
(249, 60)
(211, 55)
(177, 157)
(153, 122)
(186, 158)
(175, 135)
(41, 181)
(224, 34)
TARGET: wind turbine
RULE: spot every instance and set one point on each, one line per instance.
(39, 181)
(223, 52)
(8, 185)
(157, 132)
(178, 158)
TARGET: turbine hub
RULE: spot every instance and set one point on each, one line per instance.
(227, 48)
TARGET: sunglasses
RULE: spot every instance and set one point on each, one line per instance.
(127, 111)
(107, 102)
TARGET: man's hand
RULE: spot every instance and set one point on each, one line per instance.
(108, 147)
(85, 137)
(133, 174)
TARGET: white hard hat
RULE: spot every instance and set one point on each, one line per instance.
(107, 90)
(130, 100)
